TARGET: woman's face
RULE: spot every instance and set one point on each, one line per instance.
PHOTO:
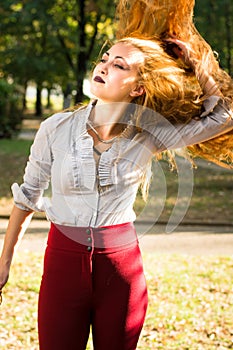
(115, 78)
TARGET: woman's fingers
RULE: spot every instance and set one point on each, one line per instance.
(183, 51)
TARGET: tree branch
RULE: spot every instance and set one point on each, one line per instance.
(92, 42)
(66, 51)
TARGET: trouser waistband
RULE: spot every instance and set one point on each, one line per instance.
(99, 238)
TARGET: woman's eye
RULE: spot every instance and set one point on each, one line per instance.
(103, 60)
(119, 66)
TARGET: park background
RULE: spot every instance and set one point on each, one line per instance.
(47, 51)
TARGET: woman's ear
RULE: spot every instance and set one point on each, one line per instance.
(139, 90)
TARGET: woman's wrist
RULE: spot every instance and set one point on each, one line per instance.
(185, 52)
(5, 261)
(206, 82)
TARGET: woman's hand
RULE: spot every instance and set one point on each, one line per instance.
(184, 51)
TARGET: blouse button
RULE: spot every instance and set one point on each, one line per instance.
(89, 249)
(89, 239)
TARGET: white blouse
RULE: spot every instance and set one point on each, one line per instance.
(62, 154)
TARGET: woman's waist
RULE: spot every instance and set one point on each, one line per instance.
(92, 239)
(83, 213)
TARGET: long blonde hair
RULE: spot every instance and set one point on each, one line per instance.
(164, 82)
(172, 88)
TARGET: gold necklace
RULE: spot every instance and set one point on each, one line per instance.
(98, 136)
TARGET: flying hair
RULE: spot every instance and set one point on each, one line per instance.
(171, 87)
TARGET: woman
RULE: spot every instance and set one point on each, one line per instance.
(95, 159)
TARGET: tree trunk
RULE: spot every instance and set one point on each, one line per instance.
(24, 96)
(228, 24)
(67, 96)
(81, 56)
(79, 86)
(48, 99)
(38, 101)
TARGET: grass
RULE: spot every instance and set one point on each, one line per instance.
(206, 194)
(191, 303)
(190, 308)
(210, 197)
(13, 158)
(16, 147)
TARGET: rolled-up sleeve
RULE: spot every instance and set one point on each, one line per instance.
(28, 196)
(216, 119)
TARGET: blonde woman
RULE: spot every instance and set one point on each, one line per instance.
(95, 159)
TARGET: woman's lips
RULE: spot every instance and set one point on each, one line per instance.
(99, 80)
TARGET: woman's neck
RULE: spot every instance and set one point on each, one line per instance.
(109, 118)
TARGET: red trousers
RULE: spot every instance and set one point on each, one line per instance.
(100, 286)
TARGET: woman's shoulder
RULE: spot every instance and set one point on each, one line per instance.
(62, 118)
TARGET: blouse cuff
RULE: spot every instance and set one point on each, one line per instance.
(211, 102)
(22, 202)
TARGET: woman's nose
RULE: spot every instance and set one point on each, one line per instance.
(103, 71)
(104, 68)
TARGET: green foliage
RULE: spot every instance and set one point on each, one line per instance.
(13, 158)
(214, 20)
(52, 43)
(10, 111)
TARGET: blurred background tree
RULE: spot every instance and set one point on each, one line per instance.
(214, 20)
(52, 43)
(10, 109)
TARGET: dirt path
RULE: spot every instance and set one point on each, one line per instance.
(191, 240)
